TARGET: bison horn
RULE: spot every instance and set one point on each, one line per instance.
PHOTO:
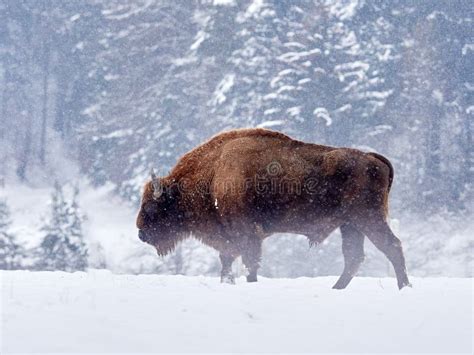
(155, 182)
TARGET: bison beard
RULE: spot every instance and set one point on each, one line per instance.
(242, 186)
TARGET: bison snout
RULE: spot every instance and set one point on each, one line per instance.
(142, 235)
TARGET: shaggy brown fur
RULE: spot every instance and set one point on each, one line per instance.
(244, 185)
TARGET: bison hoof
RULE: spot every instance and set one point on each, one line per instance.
(252, 278)
(400, 286)
(228, 279)
(339, 286)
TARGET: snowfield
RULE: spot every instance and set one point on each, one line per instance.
(102, 312)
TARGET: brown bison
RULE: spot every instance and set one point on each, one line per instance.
(242, 186)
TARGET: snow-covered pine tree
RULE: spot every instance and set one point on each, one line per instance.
(11, 252)
(63, 246)
(239, 98)
(144, 115)
(326, 83)
(77, 245)
(52, 253)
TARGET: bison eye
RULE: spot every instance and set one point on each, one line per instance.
(151, 209)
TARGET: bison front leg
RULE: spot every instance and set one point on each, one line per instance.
(353, 251)
(251, 256)
(226, 272)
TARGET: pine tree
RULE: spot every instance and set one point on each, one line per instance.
(11, 253)
(149, 95)
(63, 246)
(239, 98)
(326, 81)
(78, 260)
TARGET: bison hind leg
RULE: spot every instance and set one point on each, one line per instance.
(353, 251)
(380, 234)
(251, 256)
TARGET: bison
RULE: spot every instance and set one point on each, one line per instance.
(244, 185)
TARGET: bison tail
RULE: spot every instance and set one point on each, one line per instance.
(390, 178)
(386, 162)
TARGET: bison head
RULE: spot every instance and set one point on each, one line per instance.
(158, 220)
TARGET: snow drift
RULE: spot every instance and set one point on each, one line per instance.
(102, 312)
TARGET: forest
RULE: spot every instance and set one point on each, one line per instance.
(101, 91)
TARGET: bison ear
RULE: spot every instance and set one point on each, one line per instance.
(157, 188)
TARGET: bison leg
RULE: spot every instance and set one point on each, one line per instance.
(226, 273)
(353, 251)
(383, 238)
(251, 258)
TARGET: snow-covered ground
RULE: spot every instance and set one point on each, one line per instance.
(102, 312)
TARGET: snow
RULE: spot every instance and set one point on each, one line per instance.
(408, 43)
(294, 45)
(254, 8)
(321, 112)
(344, 9)
(200, 37)
(224, 3)
(285, 88)
(109, 77)
(467, 48)
(304, 81)
(118, 134)
(387, 53)
(357, 69)
(75, 17)
(102, 312)
(319, 70)
(271, 123)
(348, 42)
(280, 76)
(344, 108)
(294, 111)
(379, 95)
(91, 110)
(122, 12)
(223, 87)
(270, 111)
(380, 129)
(290, 57)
